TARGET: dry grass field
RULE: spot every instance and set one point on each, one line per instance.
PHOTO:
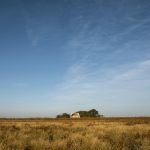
(75, 134)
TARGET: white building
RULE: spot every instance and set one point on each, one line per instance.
(75, 115)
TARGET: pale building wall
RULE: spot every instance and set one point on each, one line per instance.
(75, 115)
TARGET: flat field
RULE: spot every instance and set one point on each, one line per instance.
(75, 134)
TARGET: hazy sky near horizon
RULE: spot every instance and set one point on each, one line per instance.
(67, 55)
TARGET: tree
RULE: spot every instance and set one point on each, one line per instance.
(90, 113)
(64, 115)
(93, 113)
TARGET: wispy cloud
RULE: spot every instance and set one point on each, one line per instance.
(82, 86)
(140, 70)
(102, 58)
(39, 23)
(20, 85)
(91, 53)
(36, 30)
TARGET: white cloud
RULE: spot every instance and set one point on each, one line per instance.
(140, 70)
(20, 84)
(81, 85)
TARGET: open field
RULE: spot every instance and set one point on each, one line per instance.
(75, 134)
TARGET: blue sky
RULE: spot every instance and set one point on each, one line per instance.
(67, 55)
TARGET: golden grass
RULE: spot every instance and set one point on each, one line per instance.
(75, 134)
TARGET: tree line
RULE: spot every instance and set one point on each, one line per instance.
(91, 113)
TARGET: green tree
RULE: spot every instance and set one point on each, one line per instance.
(93, 113)
(64, 115)
(90, 113)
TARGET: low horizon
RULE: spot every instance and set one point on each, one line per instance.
(64, 56)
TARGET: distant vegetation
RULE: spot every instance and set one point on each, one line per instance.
(91, 113)
(64, 115)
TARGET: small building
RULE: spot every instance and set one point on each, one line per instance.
(75, 115)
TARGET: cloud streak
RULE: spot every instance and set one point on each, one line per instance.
(108, 63)
(90, 53)
(104, 53)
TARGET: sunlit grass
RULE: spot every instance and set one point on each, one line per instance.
(80, 134)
